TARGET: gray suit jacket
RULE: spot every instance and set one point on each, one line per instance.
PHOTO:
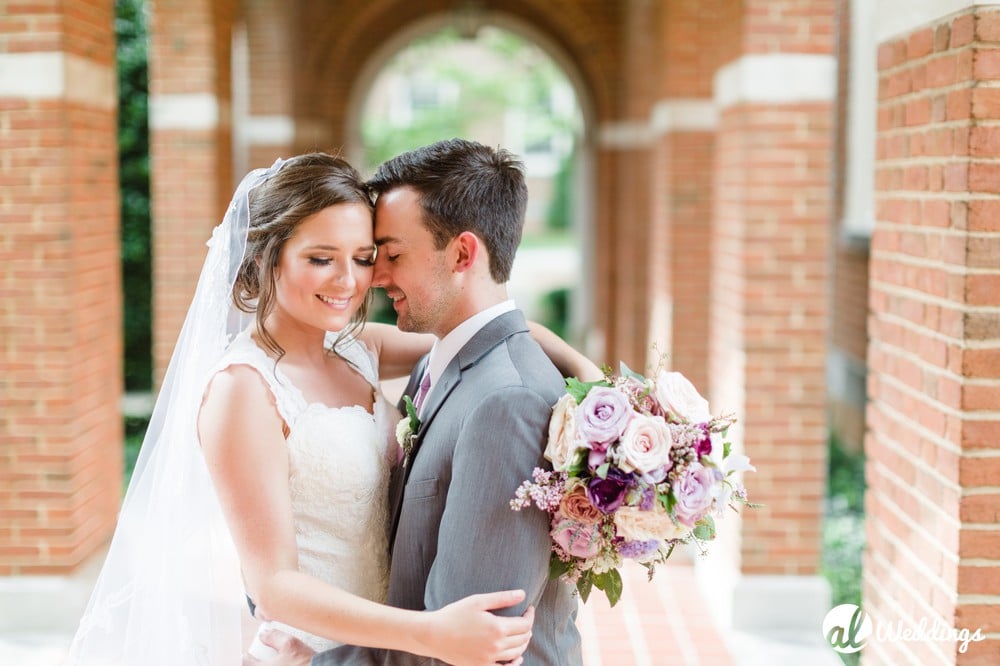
(454, 534)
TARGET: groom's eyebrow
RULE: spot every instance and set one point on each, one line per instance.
(384, 240)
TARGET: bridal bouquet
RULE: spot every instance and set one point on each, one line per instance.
(639, 466)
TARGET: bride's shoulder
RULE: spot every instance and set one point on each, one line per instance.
(238, 386)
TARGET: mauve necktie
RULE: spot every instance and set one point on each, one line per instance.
(425, 386)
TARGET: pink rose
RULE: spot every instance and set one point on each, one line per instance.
(576, 539)
(646, 444)
(679, 398)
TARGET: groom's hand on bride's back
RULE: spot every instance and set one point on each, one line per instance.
(291, 651)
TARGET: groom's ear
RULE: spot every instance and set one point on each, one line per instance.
(466, 249)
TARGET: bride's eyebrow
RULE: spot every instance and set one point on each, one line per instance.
(334, 248)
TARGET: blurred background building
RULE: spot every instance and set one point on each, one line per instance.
(797, 202)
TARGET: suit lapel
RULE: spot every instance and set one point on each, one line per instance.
(491, 335)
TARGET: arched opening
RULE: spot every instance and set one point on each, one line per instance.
(491, 78)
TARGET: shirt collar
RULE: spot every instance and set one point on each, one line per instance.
(448, 347)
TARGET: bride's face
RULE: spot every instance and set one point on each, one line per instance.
(325, 268)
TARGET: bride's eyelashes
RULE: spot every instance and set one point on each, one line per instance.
(365, 262)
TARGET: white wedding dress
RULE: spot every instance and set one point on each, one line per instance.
(339, 461)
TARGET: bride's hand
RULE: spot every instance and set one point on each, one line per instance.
(465, 633)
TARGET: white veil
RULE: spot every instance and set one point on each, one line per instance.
(170, 591)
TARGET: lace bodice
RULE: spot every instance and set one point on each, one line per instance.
(339, 461)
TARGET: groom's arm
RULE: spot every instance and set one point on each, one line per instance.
(483, 545)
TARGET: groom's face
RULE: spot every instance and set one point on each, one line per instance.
(412, 271)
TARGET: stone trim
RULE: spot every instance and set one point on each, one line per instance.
(895, 18)
(777, 78)
(672, 114)
(190, 111)
(57, 76)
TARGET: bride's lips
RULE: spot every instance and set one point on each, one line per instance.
(335, 303)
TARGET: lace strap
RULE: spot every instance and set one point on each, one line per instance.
(244, 351)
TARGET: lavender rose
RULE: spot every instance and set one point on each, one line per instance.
(678, 397)
(646, 444)
(609, 493)
(603, 415)
(576, 539)
(695, 490)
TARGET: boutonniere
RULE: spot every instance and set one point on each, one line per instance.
(406, 429)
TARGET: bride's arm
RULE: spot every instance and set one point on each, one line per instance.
(398, 351)
(571, 363)
(243, 440)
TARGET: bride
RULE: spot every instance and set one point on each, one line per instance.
(265, 466)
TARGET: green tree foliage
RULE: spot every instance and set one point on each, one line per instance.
(133, 174)
(510, 74)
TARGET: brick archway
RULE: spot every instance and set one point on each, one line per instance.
(710, 217)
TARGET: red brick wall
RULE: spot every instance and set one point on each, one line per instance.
(191, 179)
(679, 262)
(60, 320)
(770, 280)
(934, 356)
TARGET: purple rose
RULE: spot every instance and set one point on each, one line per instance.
(603, 415)
(576, 539)
(609, 493)
(694, 491)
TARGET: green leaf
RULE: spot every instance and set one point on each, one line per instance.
(579, 464)
(705, 529)
(584, 585)
(727, 447)
(411, 411)
(613, 586)
(579, 390)
(602, 471)
(557, 567)
(626, 371)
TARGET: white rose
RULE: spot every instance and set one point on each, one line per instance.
(678, 396)
(645, 445)
(562, 445)
(402, 430)
(634, 524)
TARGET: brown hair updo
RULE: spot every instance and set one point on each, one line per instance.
(302, 187)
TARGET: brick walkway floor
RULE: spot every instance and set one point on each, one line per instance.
(663, 622)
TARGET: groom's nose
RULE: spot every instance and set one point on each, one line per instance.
(380, 276)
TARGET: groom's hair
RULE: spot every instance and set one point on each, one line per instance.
(464, 186)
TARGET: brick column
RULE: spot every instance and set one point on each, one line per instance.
(771, 232)
(684, 121)
(190, 152)
(60, 318)
(264, 125)
(933, 444)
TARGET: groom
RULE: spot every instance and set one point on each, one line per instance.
(448, 221)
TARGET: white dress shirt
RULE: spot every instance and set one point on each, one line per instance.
(448, 347)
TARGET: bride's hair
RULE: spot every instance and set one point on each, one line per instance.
(302, 187)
